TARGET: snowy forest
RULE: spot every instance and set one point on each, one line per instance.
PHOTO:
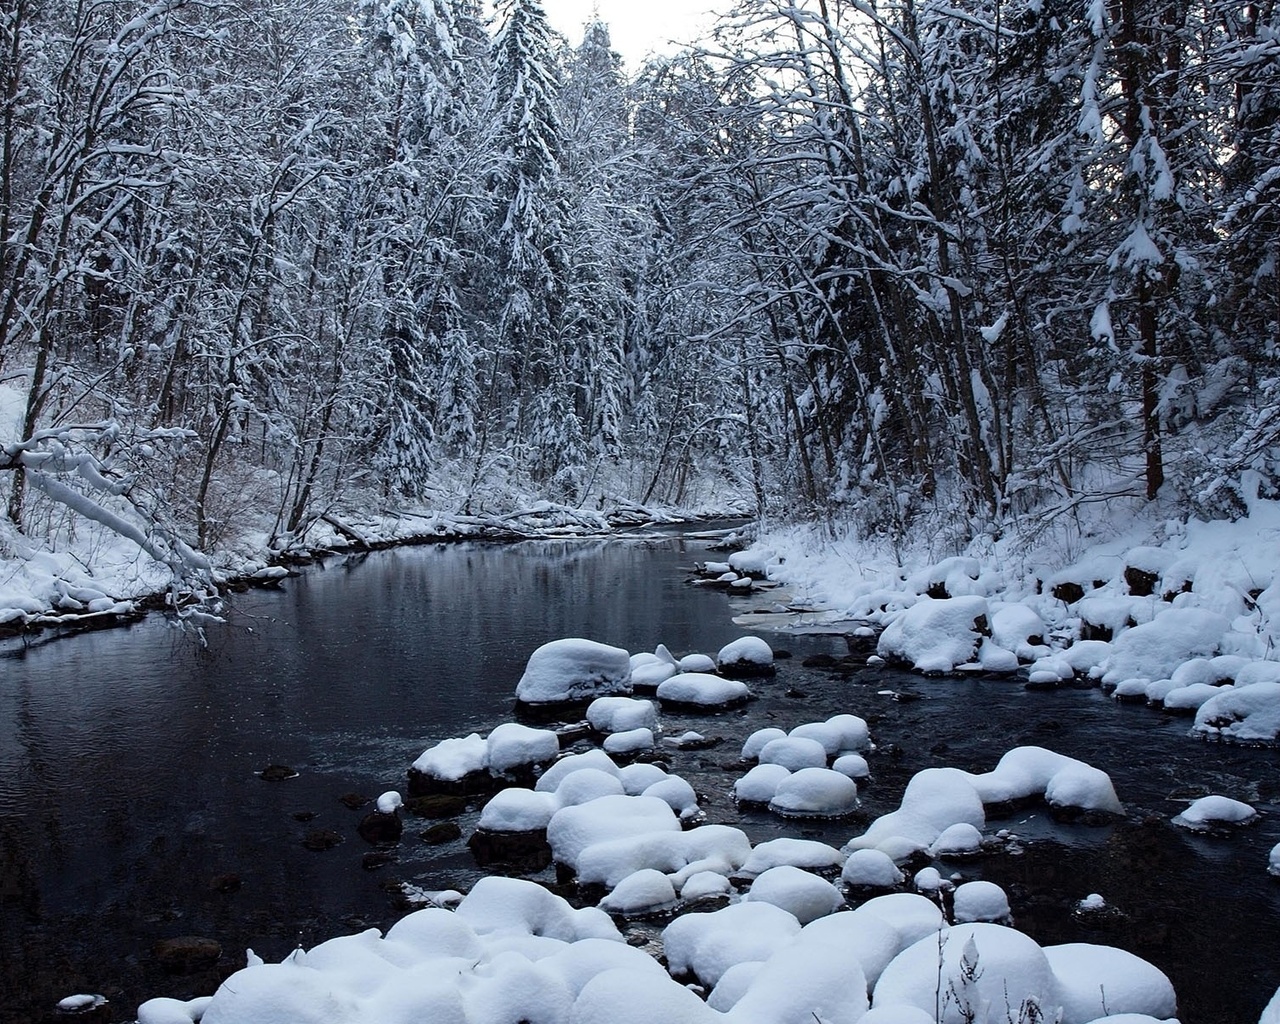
(927, 265)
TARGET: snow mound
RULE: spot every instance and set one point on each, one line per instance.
(512, 746)
(985, 972)
(815, 793)
(646, 891)
(803, 895)
(1063, 781)
(518, 810)
(453, 759)
(573, 829)
(707, 945)
(760, 784)
(1211, 811)
(1244, 714)
(632, 741)
(1103, 982)
(794, 752)
(756, 741)
(702, 690)
(748, 655)
(719, 848)
(936, 635)
(1155, 649)
(871, 869)
(574, 669)
(621, 714)
(799, 853)
(981, 901)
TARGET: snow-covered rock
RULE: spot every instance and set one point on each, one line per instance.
(756, 741)
(760, 784)
(871, 869)
(936, 636)
(981, 901)
(805, 896)
(815, 793)
(986, 973)
(746, 656)
(1243, 714)
(1101, 982)
(702, 690)
(1155, 649)
(632, 741)
(794, 752)
(511, 745)
(454, 758)
(786, 850)
(646, 891)
(574, 669)
(1213, 811)
(707, 945)
(518, 810)
(572, 830)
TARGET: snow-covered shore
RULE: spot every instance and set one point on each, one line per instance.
(1179, 614)
(89, 576)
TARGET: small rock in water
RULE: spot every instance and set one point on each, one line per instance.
(380, 827)
(436, 805)
(353, 801)
(377, 859)
(226, 884)
(186, 953)
(321, 839)
(442, 832)
(277, 773)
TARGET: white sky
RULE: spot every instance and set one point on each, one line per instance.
(636, 27)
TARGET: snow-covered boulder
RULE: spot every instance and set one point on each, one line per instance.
(794, 752)
(696, 663)
(808, 980)
(934, 800)
(805, 896)
(597, 760)
(572, 830)
(700, 689)
(958, 840)
(756, 741)
(1064, 782)
(853, 765)
(632, 741)
(760, 784)
(986, 973)
(518, 810)
(981, 901)
(936, 636)
(748, 656)
(1155, 649)
(1102, 982)
(815, 793)
(643, 892)
(511, 746)
(786, 850)
(871, 869)
(707, 945)
(574, 669)
(621, 714)
(1215, 811)
(1017, 628)
(454, 757)
(1243, 714)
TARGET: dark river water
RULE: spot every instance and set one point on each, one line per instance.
(131, 810)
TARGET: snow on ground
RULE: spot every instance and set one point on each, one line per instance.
(1184, 614)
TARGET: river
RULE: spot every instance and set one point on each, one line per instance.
(131, 809)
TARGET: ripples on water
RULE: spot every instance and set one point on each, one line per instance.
(128, 760)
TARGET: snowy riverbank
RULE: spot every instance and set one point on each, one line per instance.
(1184, 615)
(90, 576)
